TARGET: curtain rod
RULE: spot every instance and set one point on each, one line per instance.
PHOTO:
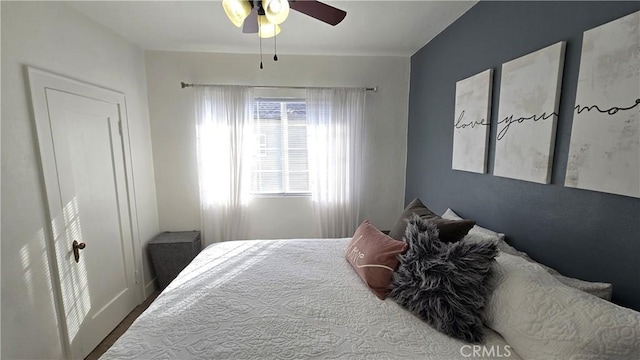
(185, 85)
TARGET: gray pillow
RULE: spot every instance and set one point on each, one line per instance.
(444, 284)
(479, 234)
(450, 230)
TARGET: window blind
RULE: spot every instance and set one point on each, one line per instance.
(281, 164)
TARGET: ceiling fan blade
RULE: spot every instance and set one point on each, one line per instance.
(318, 10)
(250, 25)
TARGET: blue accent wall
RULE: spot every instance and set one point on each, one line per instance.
(585, 234)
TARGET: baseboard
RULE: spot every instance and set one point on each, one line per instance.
(150, 288)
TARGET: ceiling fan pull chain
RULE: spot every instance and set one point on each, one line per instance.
(275, 45)
(261, 54)
(260, 37)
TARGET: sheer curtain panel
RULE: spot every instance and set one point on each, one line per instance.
(336, 136)
(224, 122)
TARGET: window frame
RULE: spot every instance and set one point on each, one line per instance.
(285, 148)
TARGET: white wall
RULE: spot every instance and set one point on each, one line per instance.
(173, 132)
(55, 37)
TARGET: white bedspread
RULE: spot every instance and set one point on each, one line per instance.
(283, 299)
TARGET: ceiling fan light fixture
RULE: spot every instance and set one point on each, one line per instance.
(276, 11)
(236, 10)
(266, 29)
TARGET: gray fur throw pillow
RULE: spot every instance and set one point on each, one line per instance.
(444, 284)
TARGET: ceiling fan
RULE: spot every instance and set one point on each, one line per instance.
(265, 16)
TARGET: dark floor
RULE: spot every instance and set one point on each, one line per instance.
(121, 328)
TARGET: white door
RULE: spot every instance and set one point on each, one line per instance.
(89, 203)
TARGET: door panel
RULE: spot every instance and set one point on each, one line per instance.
(99, 290)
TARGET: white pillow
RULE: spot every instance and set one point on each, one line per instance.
(541, 318)
(478, 233)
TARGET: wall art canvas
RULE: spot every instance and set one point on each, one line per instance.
(604, 152)
(527, 115)
(471, 123)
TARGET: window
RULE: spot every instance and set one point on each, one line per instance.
(281, 163)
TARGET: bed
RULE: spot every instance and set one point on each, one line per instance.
(300, 299)
(285, 299)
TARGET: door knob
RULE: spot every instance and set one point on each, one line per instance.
(76, 249)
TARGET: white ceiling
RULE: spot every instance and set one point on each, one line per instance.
(394, 28)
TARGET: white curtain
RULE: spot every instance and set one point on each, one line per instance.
(224, 123)
(335, 140)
